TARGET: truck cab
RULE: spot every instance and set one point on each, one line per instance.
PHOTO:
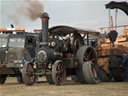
(17, 49)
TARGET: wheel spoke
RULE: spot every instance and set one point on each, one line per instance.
(86, 56)
(89, 56)
(92, 59)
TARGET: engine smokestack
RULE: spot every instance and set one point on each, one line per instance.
(45, 21)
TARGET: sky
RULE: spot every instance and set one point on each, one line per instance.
(85, 14)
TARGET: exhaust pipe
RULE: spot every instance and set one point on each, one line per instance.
(45, 22)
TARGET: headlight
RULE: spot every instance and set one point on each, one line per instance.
(18, 61)
(42, 56)
(53, 44)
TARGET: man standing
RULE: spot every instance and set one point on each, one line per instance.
(125, 65)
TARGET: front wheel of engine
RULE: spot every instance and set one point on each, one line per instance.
(28, 74)
(58, 72)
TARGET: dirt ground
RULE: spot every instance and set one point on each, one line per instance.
(42, 88)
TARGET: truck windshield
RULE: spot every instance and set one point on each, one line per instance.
(16, 42)
(3, 42)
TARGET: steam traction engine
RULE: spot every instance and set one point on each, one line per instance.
(63, 53)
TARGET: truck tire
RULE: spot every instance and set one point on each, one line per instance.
(103, 76)
(19, 80)
(49, 79)
(81, 54)
(2, 79)
(90, 73)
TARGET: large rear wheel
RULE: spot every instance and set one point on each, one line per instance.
(85, 54)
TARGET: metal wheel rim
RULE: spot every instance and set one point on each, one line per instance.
(60, 73)
(29, 73)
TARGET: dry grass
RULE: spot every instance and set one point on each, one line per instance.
(12, 88)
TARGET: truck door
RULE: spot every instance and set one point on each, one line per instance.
(31, 45)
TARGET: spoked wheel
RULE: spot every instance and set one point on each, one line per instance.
(58, 72)
(28, 74)
(85, 54)
(2, 79)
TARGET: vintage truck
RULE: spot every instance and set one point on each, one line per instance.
(16, 48)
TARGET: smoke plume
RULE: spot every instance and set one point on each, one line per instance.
(31, 8)
(25, 9)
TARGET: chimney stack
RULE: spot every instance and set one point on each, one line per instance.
(45, 21)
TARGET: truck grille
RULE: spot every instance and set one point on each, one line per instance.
(11, 57)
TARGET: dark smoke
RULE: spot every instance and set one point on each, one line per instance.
(24, 10)
(32, 8)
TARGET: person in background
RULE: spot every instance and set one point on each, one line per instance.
(125, 65)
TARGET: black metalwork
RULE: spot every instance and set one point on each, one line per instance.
(119, 5)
